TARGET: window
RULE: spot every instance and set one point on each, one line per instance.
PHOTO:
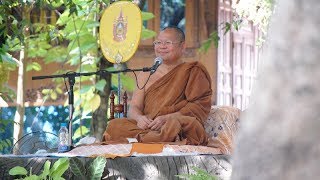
(182, 13)
(172, 13)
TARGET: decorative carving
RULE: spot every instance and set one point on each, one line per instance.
(125, 107)
(118, 108)
(112, 105)
(120, 28)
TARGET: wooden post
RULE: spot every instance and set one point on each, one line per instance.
(125, 104)
(112, 105)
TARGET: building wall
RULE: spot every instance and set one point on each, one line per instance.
(201, 18)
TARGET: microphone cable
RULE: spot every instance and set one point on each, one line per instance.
(135, 75)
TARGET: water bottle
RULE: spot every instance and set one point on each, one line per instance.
(63, 138)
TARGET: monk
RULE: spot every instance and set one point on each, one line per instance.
(174, 103)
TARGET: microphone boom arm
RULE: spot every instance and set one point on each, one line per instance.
(71, 79)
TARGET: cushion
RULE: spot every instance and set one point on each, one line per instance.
(221, 127)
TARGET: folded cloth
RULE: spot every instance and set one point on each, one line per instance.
(146, 148)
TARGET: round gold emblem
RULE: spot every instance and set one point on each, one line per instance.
(120, 30)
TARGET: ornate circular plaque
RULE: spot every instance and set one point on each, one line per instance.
(120, 30)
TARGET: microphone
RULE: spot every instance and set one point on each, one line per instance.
(157, 63)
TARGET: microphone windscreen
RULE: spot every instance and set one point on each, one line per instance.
(158, 59)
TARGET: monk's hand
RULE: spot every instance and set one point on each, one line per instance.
(143, 122)
(158, 122)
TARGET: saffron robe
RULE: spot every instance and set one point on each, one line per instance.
(185, 89)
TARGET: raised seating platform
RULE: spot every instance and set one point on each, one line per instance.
(143, 167)
(124, 161)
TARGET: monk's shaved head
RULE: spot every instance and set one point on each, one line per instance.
(179, 32)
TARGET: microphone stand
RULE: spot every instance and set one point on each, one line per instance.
(71, 79)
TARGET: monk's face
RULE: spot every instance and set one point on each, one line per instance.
(168, 46)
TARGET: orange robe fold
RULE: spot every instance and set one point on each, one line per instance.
(185, 89)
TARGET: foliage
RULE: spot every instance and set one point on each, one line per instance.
(200, 174)
(213, 39)
(54, 172)
(72, 40)
(4, 74)
(7, 64)
(81, 131)
(5, 143)
(257, 11)
(94, 169)
(146, 33)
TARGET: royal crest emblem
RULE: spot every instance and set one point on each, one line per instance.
(120, 31)
(120, 28)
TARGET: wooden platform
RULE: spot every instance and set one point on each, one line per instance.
(143, 167)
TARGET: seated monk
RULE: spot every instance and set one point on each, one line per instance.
(175, 102)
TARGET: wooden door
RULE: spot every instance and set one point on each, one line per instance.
(224, 67)
(237, 61)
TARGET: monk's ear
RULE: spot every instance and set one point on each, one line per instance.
(183, 44)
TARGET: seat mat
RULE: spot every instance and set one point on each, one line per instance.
(139, 149)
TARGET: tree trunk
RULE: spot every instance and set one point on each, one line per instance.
(141, 3)
(279, 136)
(99, 117)
(19, 115)
(142, 168)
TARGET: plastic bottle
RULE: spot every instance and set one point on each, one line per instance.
(63, 138)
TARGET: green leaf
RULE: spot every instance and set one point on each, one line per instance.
(88, 68)
(46, 91)
(213, 38)
(96, 168)
(56, 54)
(227, 28)
(100, 84)
(77, 167)
(64, 18)
(146, 15)
(59, 90)
(75, 51)
(56, 3)
(53, 95)
(9, 142)
(86, 114)
(205, 45)
(95, 102)
(32, 177)
(85, 89)
(5, 144)
(59, 167)
(82, 129)
(93, 24)
(57, 164)
(18, 170)
(146, 34)
(74, 60)
(38, 47)
(127, 82)
(6, 57)
(199, 174)
(34, 66)
(46, 169)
